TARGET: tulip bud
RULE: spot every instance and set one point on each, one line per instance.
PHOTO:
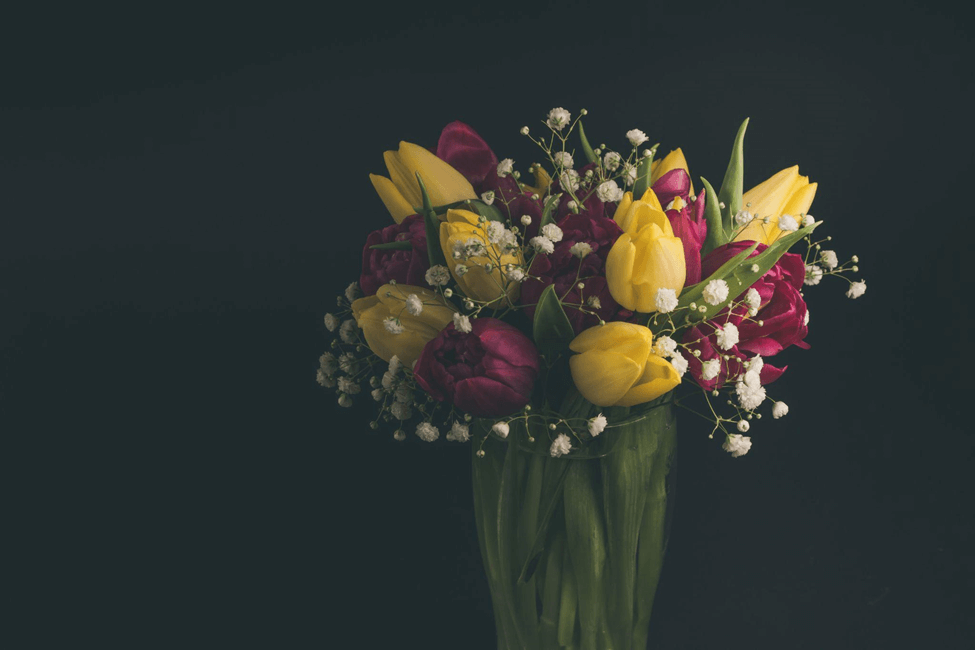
(401, 192)
(390, 301)
(784, 193)
(616, 365)
(490, 284)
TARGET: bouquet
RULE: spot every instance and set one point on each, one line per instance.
(549, 321)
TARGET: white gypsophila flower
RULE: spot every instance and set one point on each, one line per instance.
(743, 426)
(488, 197)
(393, 325)
(580, 249)
(542, 245)
(345, 401)
(597, 425)
(495, 230)
(665, 301)
(462, 323)
(399, 435)
(609, 191)
(829, 259)
(679, 363)
(569, 180)
(753, 299)
(526, 220)
(461, 270)
(509, 241)
(325, 381)
(560, 446)
(788, 223)
(743, 217)
(629, 174)
(780, 410)
(857, 289)
(378, 394)
(737, 445)
(727, 336)
(352, 291)
(558, 119)
(401, 411)
(374, 381)
(388, 380)
(636, 137)
(347, 332)
(346, 362)
(414, 306)
(348, 386)
(756, 363)
(710, 369)
(501, 428)
(594, 302)
(395, 364)
(716, 292)
(427, 432)
(573, 206)
(437, 275)
(808, 220)
(403, 394)
(563, 159)
(552, 232)
(459, 433)
(813, 275)
(665, 346)
(612, 161)
(331, 322)
(328, 363)
(805, 319)
(751, 393)
(516, 275)
(505, 167)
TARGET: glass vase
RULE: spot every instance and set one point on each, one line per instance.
(573, 546)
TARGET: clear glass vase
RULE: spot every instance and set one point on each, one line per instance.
(573, 546)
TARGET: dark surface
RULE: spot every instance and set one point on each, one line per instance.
(183, 194)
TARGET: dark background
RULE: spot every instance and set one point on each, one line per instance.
(184, 191)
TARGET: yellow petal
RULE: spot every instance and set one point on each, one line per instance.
(800, 202)
(659, 377)
(619, 272)
(603, 377)
(651, 197)
(542, 181)
(623, 208)
(444, 183)
(399, 208)
(767, 198)
(390, 300)
(662, 268)
(611, 335)
(403, 178)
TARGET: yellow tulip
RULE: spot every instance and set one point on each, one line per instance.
(785, 193)
(401, 193)
(647, 257)
(542, 182)
(616, 365)
(476, 282)
(372, 312)
(674, 160)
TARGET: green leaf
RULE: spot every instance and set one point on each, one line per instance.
(586, 541)
(552, 330)
(432, 227)
(549, 210)
(642, 183)
(712, 215)
(489, 212)
(731, 186)
(392, 246)
(586, 149)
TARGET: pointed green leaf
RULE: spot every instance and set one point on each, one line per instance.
(586, 149)
(489, 212)
(552, 329)
(392, 246)
(712, 215)
(549, 210)
(432, 227)
(642, 183)
(731, 186)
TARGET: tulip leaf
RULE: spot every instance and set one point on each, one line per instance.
(731, 187)
(442, 209)
(392, 246)
(552, 330)
(586, 148)
(432, 227)
(712, 215)
(643, 172)
(549, 210)
(489, 212)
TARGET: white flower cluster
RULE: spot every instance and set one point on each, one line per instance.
(737, 445)
(749, 387)
(558, 119)
(545, 242)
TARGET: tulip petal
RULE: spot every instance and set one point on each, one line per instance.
(444, 183)
(674, 160)
(606, 337)
(800, 202)
(658, 377)
(402, 177)
(399, 208)
(767, 198)
(603, 377)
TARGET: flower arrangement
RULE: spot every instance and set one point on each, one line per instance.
(485, 287)
(547, 321)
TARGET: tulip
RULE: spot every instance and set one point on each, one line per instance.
(674, 160)
(465, 150)
(785, 193)
(647, 257)
(616, 365)
(372, 312)
(408, 266)
(401, 192)
(460, 227)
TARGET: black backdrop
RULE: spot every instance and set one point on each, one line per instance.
(185, 191)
